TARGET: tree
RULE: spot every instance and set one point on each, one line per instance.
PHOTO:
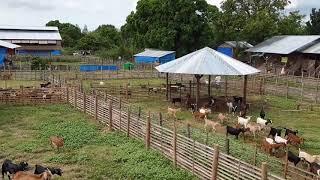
(70, 33)
(169, 24)
(313, 26)
(256, 20)
(292, 24)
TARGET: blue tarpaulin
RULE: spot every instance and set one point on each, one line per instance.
(89, 68)
(3, 53)
(226, 50)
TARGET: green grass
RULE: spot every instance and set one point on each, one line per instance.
(90, 152)
(15, 84)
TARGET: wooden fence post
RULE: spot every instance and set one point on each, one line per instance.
(302, 86)
(148, 128)
(128, 122)
(120, 113)
(139, 113)
(287, 89)
(188, 130)
(215, 163)
(160, 119)
(110, 115)
(227, 146)
(264, 171)
(174, 143)
(68, 95)
(96, 107)
(84, 102)
(286, 164)
(75, 98)
(317, 91)
(255, 154)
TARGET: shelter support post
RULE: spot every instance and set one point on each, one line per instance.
(198, 77)
(245, 85)
(209, 86)
(167, 86)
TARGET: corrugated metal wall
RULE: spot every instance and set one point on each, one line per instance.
(39, 53)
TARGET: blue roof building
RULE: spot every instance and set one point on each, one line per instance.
(150, 56)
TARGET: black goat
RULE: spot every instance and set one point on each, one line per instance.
(175, 100)
(293, 158)
(315, 168)
(238, 99)
(289, 131)
(274, 132)
(262, 113)
(45, 85)
(10, 168)
(40, 169)
(235, 131)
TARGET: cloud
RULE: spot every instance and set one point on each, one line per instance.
(29, 4)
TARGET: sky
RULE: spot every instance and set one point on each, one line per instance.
(90, 12)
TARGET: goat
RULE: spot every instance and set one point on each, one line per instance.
(273, 132)
(211, 101)
(205, 111)
(199, 116)
(262, 113)
(232, 108)
(293, 158)
(279, 140)
(45, 85)
(173, 112)
(307, 157)
(315, 168)
(270, 141)
(40, 169)
(267, 147)
(221, 118)
(10, 168)
(238, 99)
(263, 123)
(254, 128)
(294, 140)
(235, 131)
(175, 100)
(210, 124)
(289, 131)
(56, 142)
(244, 121)
(27, 176)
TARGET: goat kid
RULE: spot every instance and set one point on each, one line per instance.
(293, 158)
(263, 123)
(244, 121)
(173, 112)
(254, 128)
(295, 140)
(235, 131)
(289, 131)
(210, 125)
(40, 169)
(279, 140)
(274, 131)
(315, 168)
(56, 142)
(27, 176)
(307, 157)
(267, 147)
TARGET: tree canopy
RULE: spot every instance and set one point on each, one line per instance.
(185, 26)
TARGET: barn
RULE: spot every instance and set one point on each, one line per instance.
(229, 47)
(5, 50)
(296, 55)
(35, 41)
(150, 56)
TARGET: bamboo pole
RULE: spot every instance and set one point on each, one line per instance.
(255, 154)
(160, 119)
(167, 85)
(188, 130)
(174, 143)
(120, 113)
(215, 163)
(75, 98)
(96, 107)
(227, 146)
(84, 102)
(286, 163)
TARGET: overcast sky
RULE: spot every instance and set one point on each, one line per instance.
(89, 12)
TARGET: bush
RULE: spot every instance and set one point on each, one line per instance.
(39, 63)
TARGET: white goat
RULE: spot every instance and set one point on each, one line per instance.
(309, 158)
(270, 141)
(243, 121)
(205, 111)
(280, 140)
(263, 122)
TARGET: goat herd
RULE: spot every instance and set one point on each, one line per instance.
(271, 143)
(20, 171)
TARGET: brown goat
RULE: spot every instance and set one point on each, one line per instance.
(295, 140)
(173, 112)
(199, 116)
(269, 147)
(27, 176)
(56, 142)
(211, 125)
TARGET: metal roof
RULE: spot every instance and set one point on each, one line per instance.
(8, 45)
(241, 44)
(154, 53)
(29, 28)
(207, 62)
(314, 49)
(284, 44)
(6, 34)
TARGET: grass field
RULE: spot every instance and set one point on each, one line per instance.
(90, 152)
